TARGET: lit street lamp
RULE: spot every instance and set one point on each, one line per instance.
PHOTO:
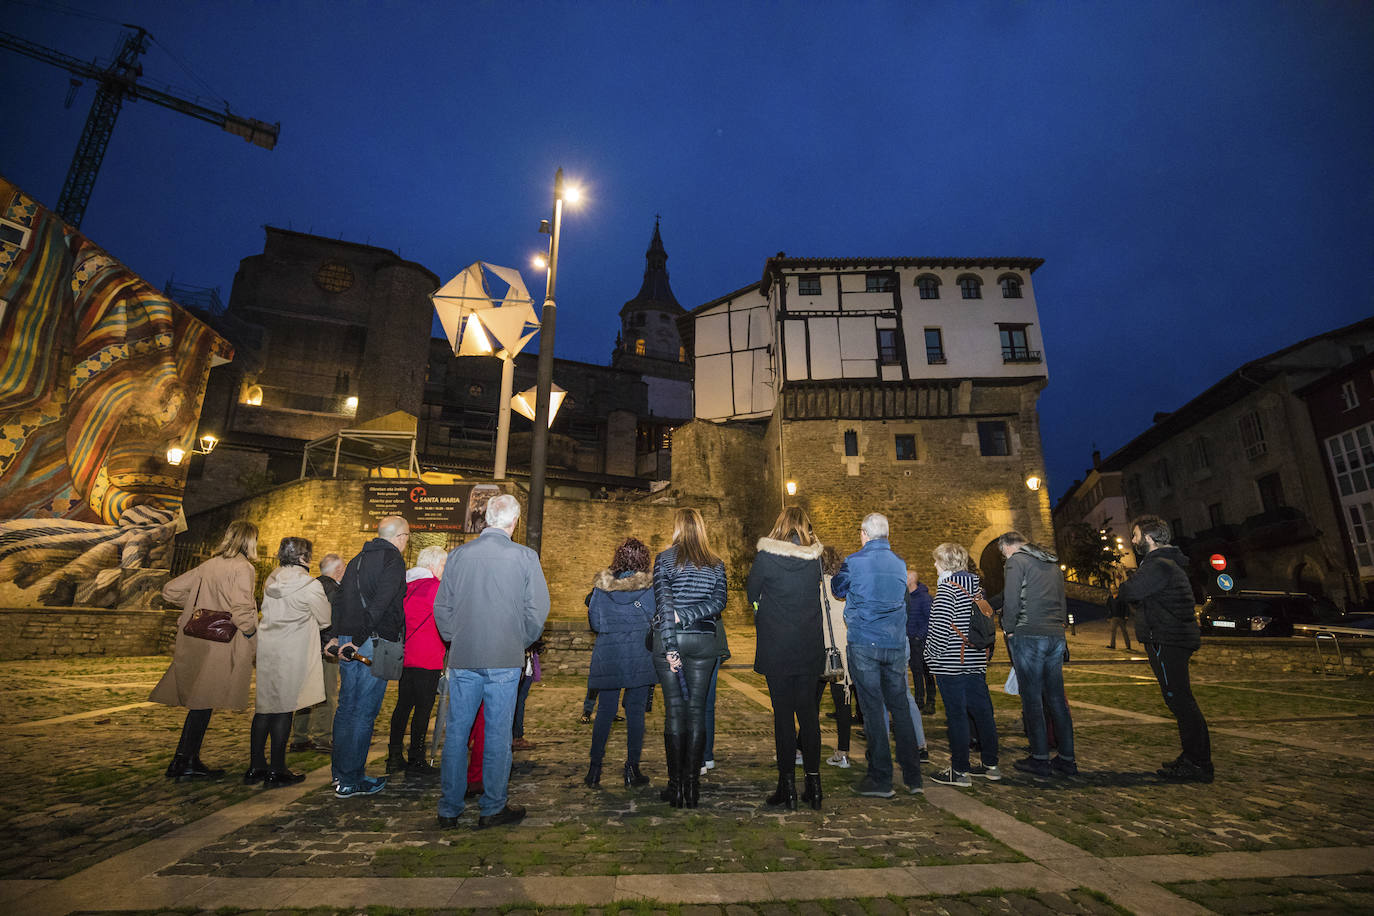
(539, 446)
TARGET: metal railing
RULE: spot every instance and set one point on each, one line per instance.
(1322, 634)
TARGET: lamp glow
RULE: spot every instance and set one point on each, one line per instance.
(1033, 482)
(523, 403)
(175, 455)
(539, 262)
(791, 488)
(351, 402)
(208, 443)
(572, 195)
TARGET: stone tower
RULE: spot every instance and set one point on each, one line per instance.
(648, 337)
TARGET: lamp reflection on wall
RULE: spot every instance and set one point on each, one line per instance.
(524, 402)
(351, 404)
(791, 488)
(253, 397)
(1033, 482)
(176, 454)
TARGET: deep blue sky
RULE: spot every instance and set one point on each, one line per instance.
(1198, 176)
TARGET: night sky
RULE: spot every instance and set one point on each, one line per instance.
(1199, 177)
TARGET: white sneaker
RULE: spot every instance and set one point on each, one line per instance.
(709, 765)
(839, 760)
(799, 758)
(990, 773)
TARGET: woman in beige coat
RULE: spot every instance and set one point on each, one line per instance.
(206, 675)
(290, 673)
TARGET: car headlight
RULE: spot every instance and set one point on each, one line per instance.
(1260, 622)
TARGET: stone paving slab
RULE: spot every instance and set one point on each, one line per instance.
(1334, 894)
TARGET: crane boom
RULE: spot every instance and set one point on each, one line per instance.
(117, 82)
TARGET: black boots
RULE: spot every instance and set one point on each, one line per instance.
(395, 760)
(183, 768)
(593, 777)
(672, 750)
(634, 778)
(786, 794)
(693, 755)
(812, 792)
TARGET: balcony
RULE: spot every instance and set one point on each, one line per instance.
(1020, 355)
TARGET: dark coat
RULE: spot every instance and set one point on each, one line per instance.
(918, 612)
(1033, 597)
(620, 610)
(375, 577)
(1161, 591)
(784, 587)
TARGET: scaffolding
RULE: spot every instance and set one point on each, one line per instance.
(371, 448)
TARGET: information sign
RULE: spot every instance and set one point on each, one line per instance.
(426, 506)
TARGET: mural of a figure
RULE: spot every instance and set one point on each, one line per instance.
(99, 375)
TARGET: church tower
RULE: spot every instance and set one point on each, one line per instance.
(648, 341)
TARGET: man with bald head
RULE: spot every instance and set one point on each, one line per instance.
(368, 605)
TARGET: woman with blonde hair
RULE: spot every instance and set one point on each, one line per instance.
(290, 672)
(784, 588)
(216, 641)
(689, 596)
(960, 670)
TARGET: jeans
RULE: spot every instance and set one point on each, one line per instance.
(360, 699)
(521, 693)
(922, 681)
(469, 688)
(316, 723)
(1170, 664)
(635, 700)
(1040, 674)
(879, 677)
(796, 721)
(1123, 624)
(965, 696)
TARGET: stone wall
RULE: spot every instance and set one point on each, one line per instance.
(61, 632)
(1289, 655)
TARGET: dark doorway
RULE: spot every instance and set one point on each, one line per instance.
(990, 565)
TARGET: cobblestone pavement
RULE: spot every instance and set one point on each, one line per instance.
(90, 756)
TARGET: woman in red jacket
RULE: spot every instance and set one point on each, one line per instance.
(423, 663)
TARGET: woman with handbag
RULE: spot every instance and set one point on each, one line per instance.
(836, 671)
(960, 669)
(689, 596)
(784, 588)
(423, 663)
(620, 610)
(216, 640)
(290, 671)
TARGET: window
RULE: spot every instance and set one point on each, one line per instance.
(851, 443)
(1270, 491)
(1134, 494)
(1349, 398)
(1199, 456)
(929, 285)
(1014, 344)
(970, 287)
(639, 347)
(1352, 459)
(1252, 435)
(992, 438)
(1361, 521)
(879, 283)
(1011, 287)
(889, 352)
(905, 447)
(1161, 475)
(1215, 516)
(682, 354)
(935, 347)
(809, 286)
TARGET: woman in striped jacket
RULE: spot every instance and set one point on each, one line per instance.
(960, 670)
(689, 596)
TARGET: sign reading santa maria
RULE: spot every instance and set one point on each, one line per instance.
(428, 506)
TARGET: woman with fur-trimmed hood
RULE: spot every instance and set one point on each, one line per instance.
(620, 610)
(784, 589)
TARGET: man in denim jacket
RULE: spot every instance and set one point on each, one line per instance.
(873, 584)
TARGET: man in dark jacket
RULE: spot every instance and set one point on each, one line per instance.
(1034, 614)
(918, 602)
(312, 727)
(369, 604)
(1167, 626)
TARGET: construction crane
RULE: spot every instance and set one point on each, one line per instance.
(119, 81)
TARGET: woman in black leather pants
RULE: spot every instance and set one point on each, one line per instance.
(689, 596)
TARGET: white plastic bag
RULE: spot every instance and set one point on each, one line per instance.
(1011, 688)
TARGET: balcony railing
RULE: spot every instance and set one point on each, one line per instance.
(1019, 355)
(935, 358)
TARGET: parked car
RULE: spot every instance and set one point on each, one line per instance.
(1265, 613)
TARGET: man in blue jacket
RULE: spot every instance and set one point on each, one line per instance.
(873, 584)
(492, 603)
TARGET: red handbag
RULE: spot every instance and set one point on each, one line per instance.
(215, 626)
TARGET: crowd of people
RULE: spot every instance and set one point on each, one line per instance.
(466, 624)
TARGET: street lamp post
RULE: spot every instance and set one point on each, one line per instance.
(539, 445)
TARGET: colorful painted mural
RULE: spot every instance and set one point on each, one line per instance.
(99, 375)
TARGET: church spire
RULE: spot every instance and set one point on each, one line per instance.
(655, 291)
